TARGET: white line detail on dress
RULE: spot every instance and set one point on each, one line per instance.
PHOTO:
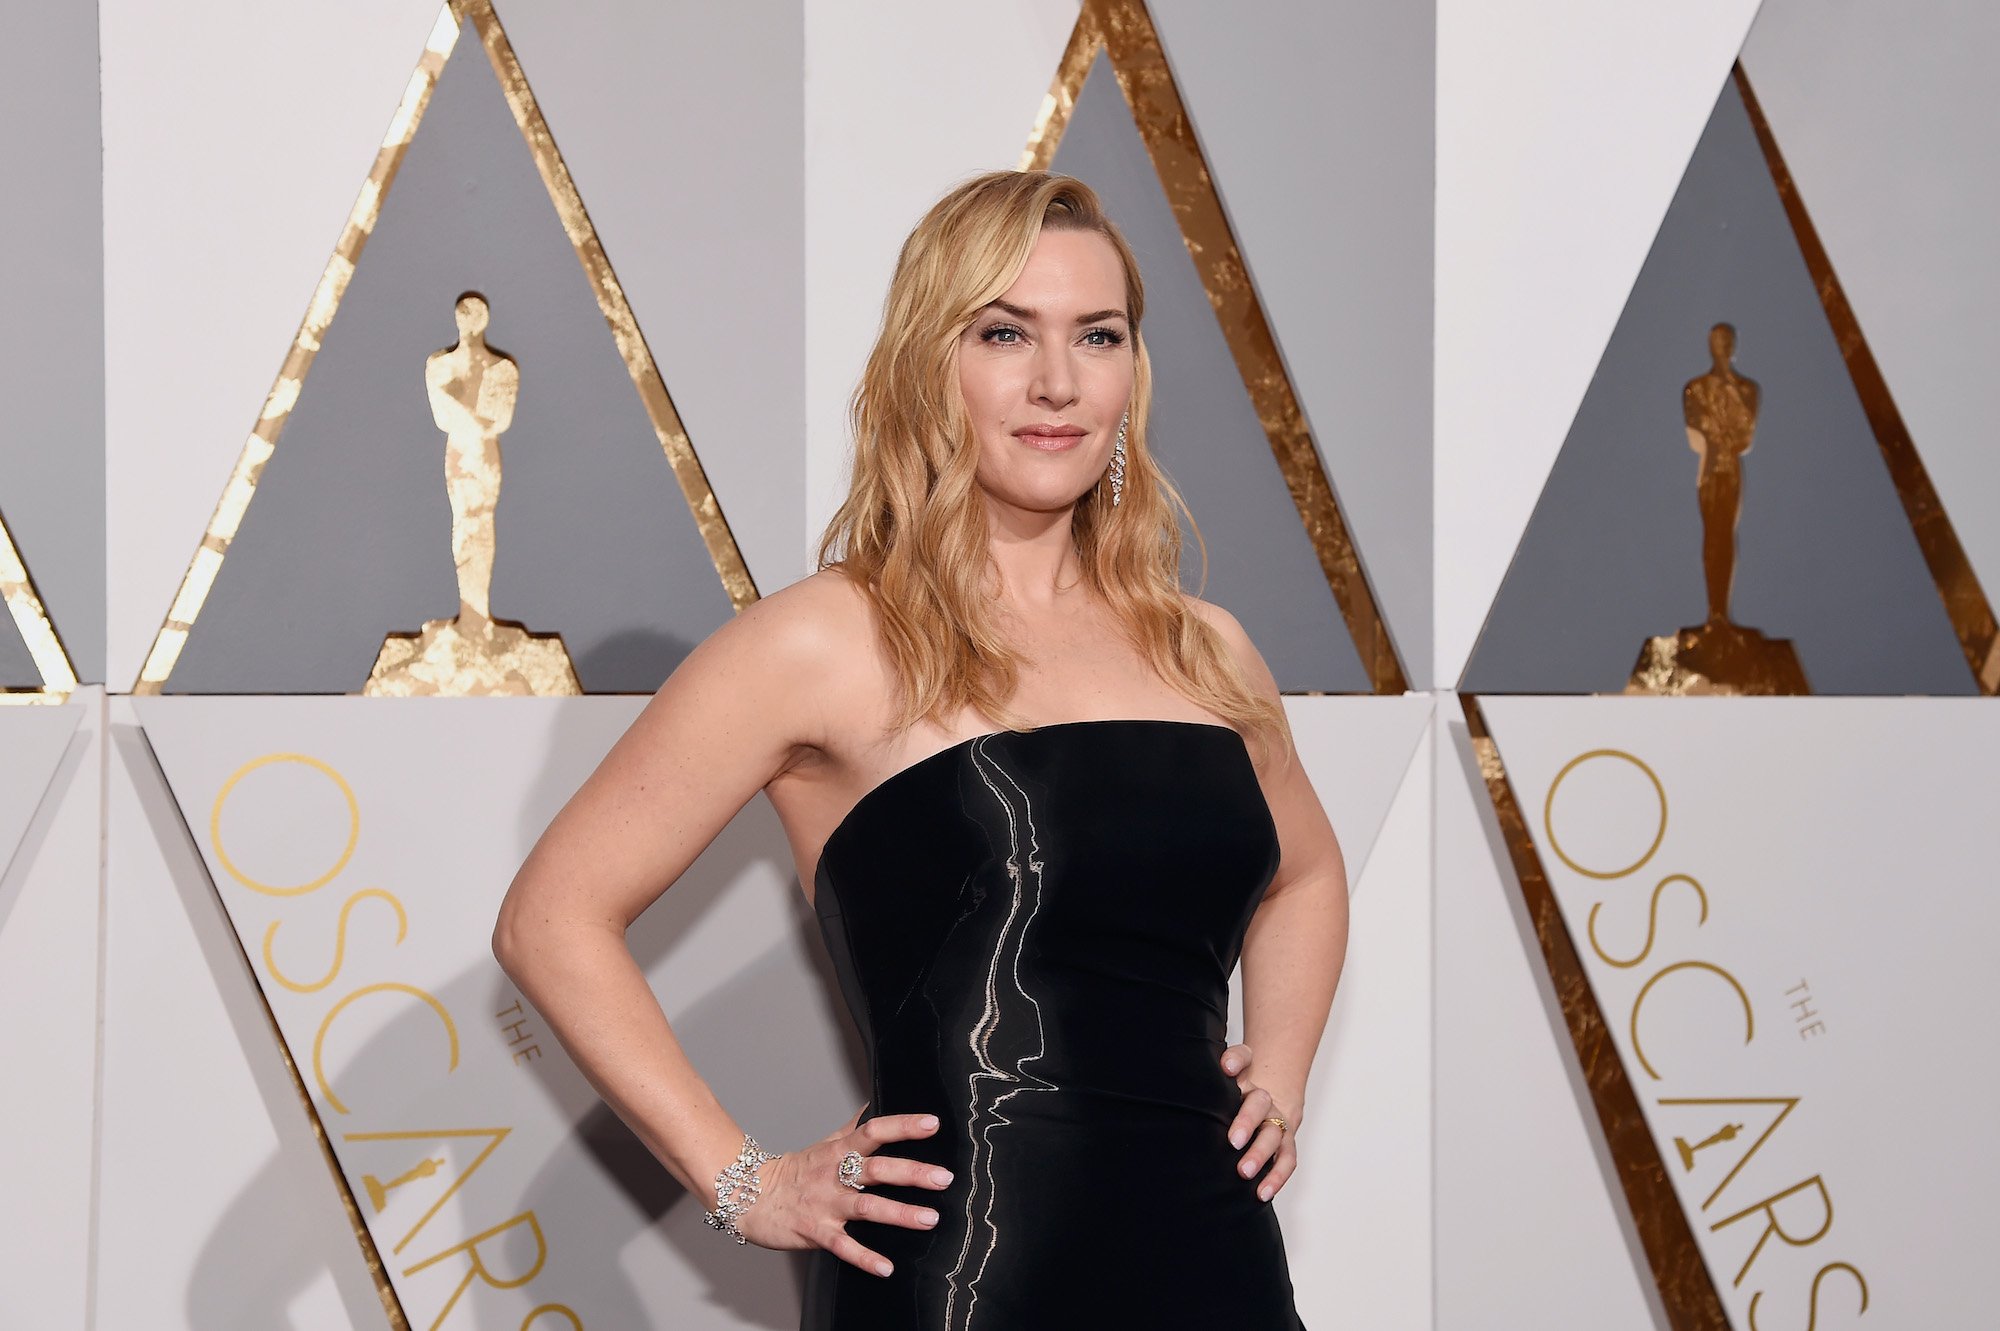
(981, 1121)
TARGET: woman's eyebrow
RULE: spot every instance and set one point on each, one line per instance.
(1023, 312)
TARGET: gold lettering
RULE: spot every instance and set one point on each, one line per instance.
(1768, 1207)
(1790, 1102)
(1549, 806)
(477, 1264)
(339, 942)
(1812, 1301)
(326, 1023)
(558, 1309)
(273, 889)
(494, 1137)
(1638, 1050)
(1652, 919)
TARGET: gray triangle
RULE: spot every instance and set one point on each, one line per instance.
(52, 457)
(1825, 555)
(348, 537)
(1205, 431)
(17, 664)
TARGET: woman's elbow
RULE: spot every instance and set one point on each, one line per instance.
(506, 940)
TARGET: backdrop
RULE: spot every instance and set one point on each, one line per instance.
(1584, 409)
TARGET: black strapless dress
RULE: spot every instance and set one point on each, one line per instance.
(1035, 933)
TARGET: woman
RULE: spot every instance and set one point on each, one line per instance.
(1034, 927)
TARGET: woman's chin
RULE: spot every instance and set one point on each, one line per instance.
(1045, 499)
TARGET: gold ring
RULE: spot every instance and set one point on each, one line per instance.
(1277, 1120)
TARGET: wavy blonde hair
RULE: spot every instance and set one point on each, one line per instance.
(913, 531)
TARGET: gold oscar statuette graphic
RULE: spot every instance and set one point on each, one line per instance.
(1719, 656)
(378, 1191)
(473, 389)
(1728, 1132)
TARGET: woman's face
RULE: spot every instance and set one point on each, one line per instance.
(1046, 371)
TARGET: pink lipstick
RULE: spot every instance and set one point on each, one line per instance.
(1050, 438)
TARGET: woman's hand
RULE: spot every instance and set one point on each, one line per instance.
(1264, 1138)
(801, 1202)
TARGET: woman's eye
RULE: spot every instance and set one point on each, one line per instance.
(994, 334)
(1111, 337)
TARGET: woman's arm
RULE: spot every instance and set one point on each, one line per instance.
(1297, 940)
(730, 718)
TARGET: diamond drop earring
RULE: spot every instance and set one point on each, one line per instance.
(1118, 461)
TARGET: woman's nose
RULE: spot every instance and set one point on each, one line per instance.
(1055, 378)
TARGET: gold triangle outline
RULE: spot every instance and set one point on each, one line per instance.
(38, 632)
(1124, 29)
(241, 488)
(1965, 602)
(1685, 1284)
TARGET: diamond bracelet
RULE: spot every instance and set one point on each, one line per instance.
(737, 1186)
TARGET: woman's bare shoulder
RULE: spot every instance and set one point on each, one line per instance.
(819, 623)
(828, 600)
(781, 676)
(1218, 619)
(1237, 638)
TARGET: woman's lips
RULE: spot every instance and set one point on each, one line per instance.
(1052, 442)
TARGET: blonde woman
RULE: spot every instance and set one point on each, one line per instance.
(1043, 801)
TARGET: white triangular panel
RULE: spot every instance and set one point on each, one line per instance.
(1562, 131)
(34, 738)
(214, 1205)
(1367, 1129)
(49, 881)
(1357, 751)
(305, 805)
(1786, 900)
(1532, 1227)
(269, 121)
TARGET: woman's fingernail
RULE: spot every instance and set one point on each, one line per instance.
(1264, 1193)
(1236, 1138)
(928, 1217)
(930, 1120)
(883, 1268)
(1247, 1168)
(940, 1176)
